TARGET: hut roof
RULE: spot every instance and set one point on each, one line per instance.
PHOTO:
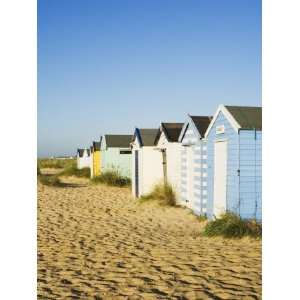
(248, 117)
(80, 152)
(171, 131)
(96, 146)
(146, 136)
(118, 140)
(201, 123)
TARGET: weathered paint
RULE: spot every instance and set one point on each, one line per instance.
(193, 169)
(243, 182)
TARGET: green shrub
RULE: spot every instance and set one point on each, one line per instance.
(73, 171)
(202, 218)
(164, 193)
(56, 163)
(112, 178)
(230, 225)
(50, 180)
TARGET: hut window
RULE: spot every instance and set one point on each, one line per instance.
(125, 151)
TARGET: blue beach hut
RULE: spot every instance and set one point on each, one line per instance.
(233, 141)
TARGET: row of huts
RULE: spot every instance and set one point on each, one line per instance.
(212, 162)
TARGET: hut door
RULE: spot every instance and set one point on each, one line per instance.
(136, 172)
(220, 177)
(164, 162)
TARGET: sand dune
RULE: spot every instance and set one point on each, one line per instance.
(96, 242)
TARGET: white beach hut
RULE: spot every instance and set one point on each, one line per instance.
(79, 157)
(83, 158)
(167, 143)
(146, 162)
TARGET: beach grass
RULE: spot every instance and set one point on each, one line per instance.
(230, 225)
(112, 178)
(50, 180)
(202, 218)
(71, 170)
(164, 193)
(54, 163)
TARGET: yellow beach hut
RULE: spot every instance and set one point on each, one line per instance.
(96, 159)
(91, 162)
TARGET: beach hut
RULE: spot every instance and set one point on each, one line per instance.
(83, 159)
(116, 153)
(91, 161)
(86, 160)
(193, 164)
(234, 162)
(146, 162)
(96, 158)
(167, 143)
(79, 158)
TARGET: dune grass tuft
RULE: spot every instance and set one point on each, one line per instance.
(202, 218)
(112, 178)
(164, 193)
(231, 225)
(73, 171)
(50, 180)
(55, 163)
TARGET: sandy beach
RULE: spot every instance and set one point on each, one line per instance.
(97, 242)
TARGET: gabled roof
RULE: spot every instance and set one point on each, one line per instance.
(248, 117)
(240, 117)
(171, 131)
(96, 146)
(200, 124)
(118, 140)
(146, 136)
(80, 152)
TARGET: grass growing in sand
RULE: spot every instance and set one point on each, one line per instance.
(50, 180)
(73, 171)
(202, 218)
(112, 178)
(231, 225)
(55, 163)
(164, 193)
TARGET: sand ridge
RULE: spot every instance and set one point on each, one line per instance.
(97, 242)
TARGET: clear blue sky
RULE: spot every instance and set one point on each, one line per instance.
(108, 66)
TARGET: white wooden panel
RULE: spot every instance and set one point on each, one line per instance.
(220, 175)
(190, 179)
